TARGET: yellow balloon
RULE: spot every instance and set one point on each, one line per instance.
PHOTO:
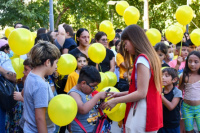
(15, 56)
(111, 36)
(62, 109)
(119, 114)
(121, 6)
(112, 89)
(112, 78)
(195, 37)
(18, 66)
(66, 64)
(184, 14)
(154, 36)
(106, 26)
(21, 41)
(181, 26)
(174, 34)
(34, 34)
(104, 81)
(131, 15)
(97, 52)
(8, 31)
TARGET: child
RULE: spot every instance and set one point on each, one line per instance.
(123, 83)
(82, 60)
(190, 83)
(171, 102)
(37, 93)
(179, 63)
(88, 80)
(18, 96)
(162, 52)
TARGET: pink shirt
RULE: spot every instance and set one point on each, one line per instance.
(174, 62)
(173, 65)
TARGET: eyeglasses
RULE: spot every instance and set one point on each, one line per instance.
(93, 88)
(104, 40)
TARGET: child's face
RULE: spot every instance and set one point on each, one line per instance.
(184, 51)
(194, 63)
(53, 68)
(161, 55)
(81, 61)
(88, 88)
(191, 48)
(166, 79)
(26, 71)
(118, 46)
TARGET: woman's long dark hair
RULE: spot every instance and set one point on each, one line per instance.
(187, 70)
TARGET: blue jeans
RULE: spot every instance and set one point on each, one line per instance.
(2, 120)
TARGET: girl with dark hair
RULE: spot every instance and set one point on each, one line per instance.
(162, 51)
(83, 42)
(108, 64)
(190, 83)
(73, 77)
(123, 83)
(144, 103)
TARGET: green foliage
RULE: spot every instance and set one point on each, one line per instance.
(90, 13)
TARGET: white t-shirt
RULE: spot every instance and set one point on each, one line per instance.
(143, 61)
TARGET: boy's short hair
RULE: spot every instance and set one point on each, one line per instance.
(27, 63)
(173, 73)
(69, 29)
(43, 51)
(89, 74)
(178, 45)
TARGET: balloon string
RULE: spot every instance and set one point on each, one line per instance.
(195, 24)
(180, 49)
(100, 67)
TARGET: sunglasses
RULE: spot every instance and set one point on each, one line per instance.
(93, 88)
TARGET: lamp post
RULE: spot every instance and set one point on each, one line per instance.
(51, 17)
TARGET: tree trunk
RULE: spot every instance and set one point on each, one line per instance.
(60, 15)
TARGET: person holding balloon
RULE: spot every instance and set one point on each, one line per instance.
(108, 64)
(89, 78)
(83, 38)
(144, 103)
(179, 63)
(37, 93)
(7, 71)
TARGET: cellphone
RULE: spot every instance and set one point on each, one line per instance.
(108, 90)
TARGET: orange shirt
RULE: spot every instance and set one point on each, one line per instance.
(71, 81)
(122, 70)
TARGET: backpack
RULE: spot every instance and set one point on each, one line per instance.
(102, 124)
(7, 89)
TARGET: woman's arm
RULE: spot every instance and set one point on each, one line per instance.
(40, 120)
(112, 65)
(61, 35)
(143, 75)
(8, 74)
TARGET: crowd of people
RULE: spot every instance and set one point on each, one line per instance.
(160, 84)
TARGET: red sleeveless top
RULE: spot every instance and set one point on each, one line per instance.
(154, 118)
